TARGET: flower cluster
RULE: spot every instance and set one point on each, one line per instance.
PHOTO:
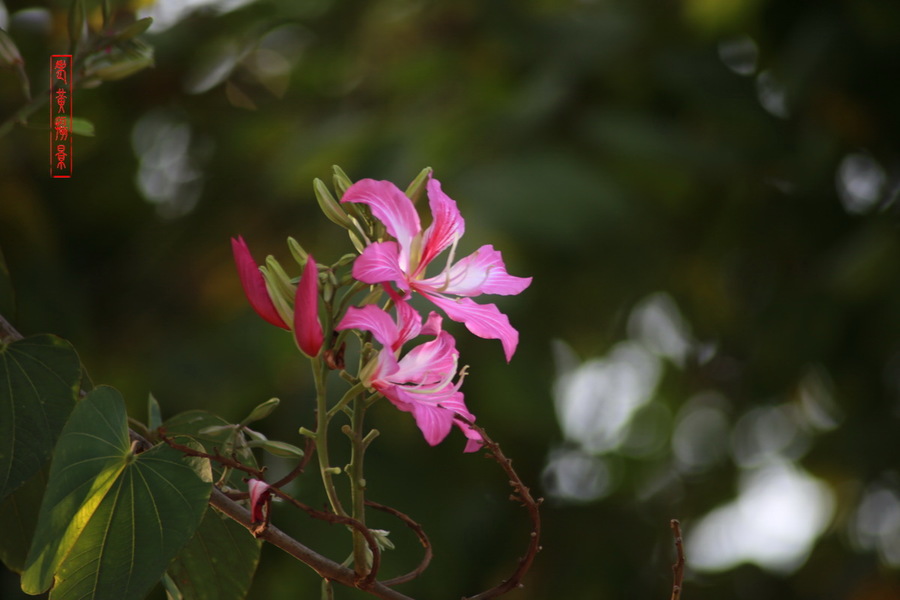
(423, 380)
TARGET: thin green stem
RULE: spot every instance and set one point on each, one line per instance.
(350, 395)
(322, 419)
(358, 481)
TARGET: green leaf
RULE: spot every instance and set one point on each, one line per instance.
(18, 519)
(282, 449)
(219, 561)
(39, 382)
(111, 520)
(82, 127)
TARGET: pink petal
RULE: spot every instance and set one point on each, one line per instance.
(483, 320)
(259, 493)
(429, 363)
(432, 324)
(372, 319)
(390, 206)
(254, 284)
(446, 227)
(379, 263)
(409, 324)
(474, 439)
(482, 272)
(307, 328)
(433, 421)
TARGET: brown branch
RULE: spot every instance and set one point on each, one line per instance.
(362, 581)
(678, 567)
(520, 494)
(420, 533)
(308, 451)
(325, 567)
(222, 460)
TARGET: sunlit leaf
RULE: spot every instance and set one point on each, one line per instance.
(111, 520)
(39, 382)
(219, 561)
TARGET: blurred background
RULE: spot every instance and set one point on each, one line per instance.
(705, 193)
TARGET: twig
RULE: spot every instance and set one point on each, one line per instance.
(222, 460)
(325, 567)
(520, 494)
(420, 533)
(678, 567)
(363, 582)
(308, 451)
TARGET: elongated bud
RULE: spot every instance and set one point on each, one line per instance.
(341, 182)
(278, 279)
(120, 62)
(134, 30)
(415, 189)
(297, 251)
(254, 284)
(261, 411)
(307, 328)
(330, 206)
(280, 296)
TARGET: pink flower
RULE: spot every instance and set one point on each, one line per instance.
(421, 382)
(306, 326)
(405, 260)
(260, 492)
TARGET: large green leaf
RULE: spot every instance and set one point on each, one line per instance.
(221, 558)
(39, 381)
(111, 520)
(18, 519)
(219, 561)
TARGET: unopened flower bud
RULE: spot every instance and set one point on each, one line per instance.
(300, 255)
(330, 206)
(415, 189)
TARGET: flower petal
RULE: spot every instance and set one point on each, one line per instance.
(483, 320)
(254, 284)
(430, 364)
(482, 272)
(390, 206)
(446, 227)
(307, 328)
(433, 421)
(259, 494)
(380, 263)
(374, 320)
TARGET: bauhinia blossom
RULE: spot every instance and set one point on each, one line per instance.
(421, 382)
(403, 262)
(306, 326)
